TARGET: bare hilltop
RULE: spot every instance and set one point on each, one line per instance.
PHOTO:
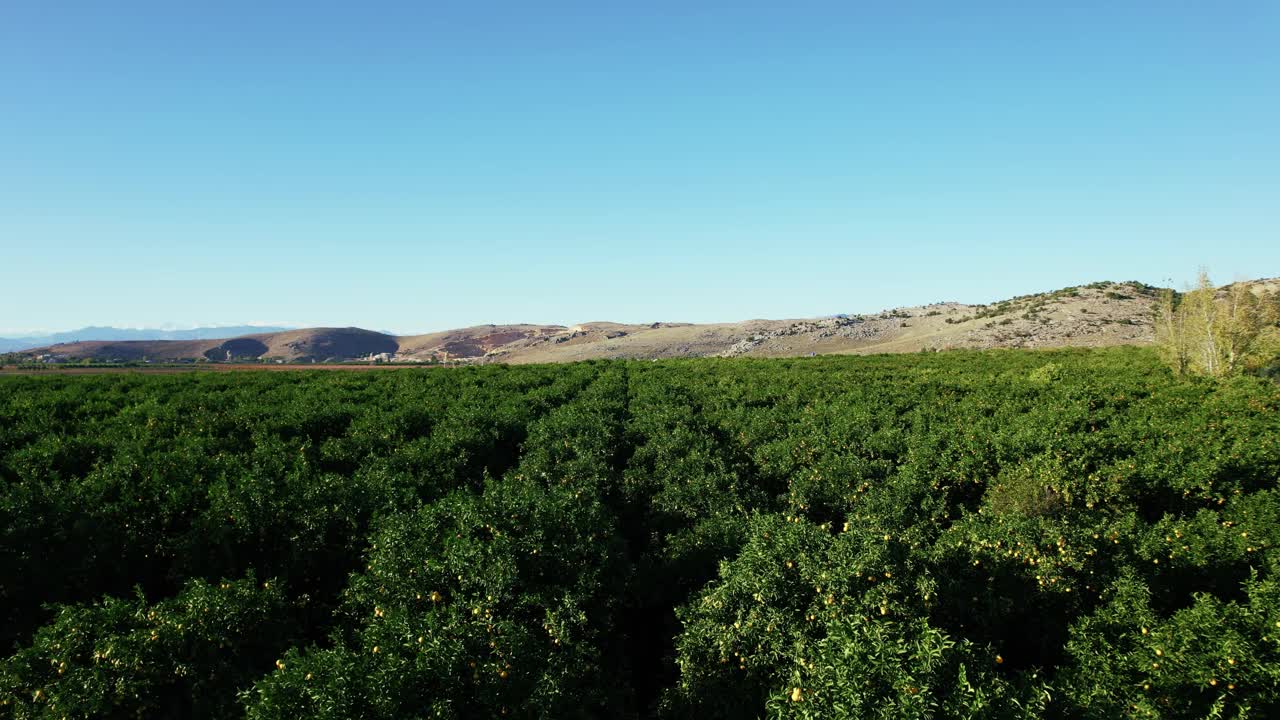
(1098, 314)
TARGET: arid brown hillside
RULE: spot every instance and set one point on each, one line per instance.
(1099, 314)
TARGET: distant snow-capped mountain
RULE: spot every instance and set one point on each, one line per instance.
(112, 333)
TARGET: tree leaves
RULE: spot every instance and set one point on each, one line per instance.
(941, 535)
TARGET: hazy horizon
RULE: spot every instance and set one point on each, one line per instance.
(178, 327)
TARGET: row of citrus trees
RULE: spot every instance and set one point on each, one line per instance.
(1009, 534)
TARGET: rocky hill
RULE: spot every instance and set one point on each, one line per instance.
(1095, 315)
(1104, 313)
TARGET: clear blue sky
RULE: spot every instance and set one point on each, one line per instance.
(423, 165)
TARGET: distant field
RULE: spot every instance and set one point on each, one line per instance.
(997, 534)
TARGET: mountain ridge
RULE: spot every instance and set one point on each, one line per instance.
(1098, 314)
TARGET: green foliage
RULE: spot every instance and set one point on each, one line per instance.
(475, 606)
(1213, 658)
(874, 668)
(186, 656)
(960, 534)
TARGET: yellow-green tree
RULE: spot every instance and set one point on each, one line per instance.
(1270, 302)
(1203, 326)
(1241, 324)
(1267, 345)
(1212, 331)
(1171, 331)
